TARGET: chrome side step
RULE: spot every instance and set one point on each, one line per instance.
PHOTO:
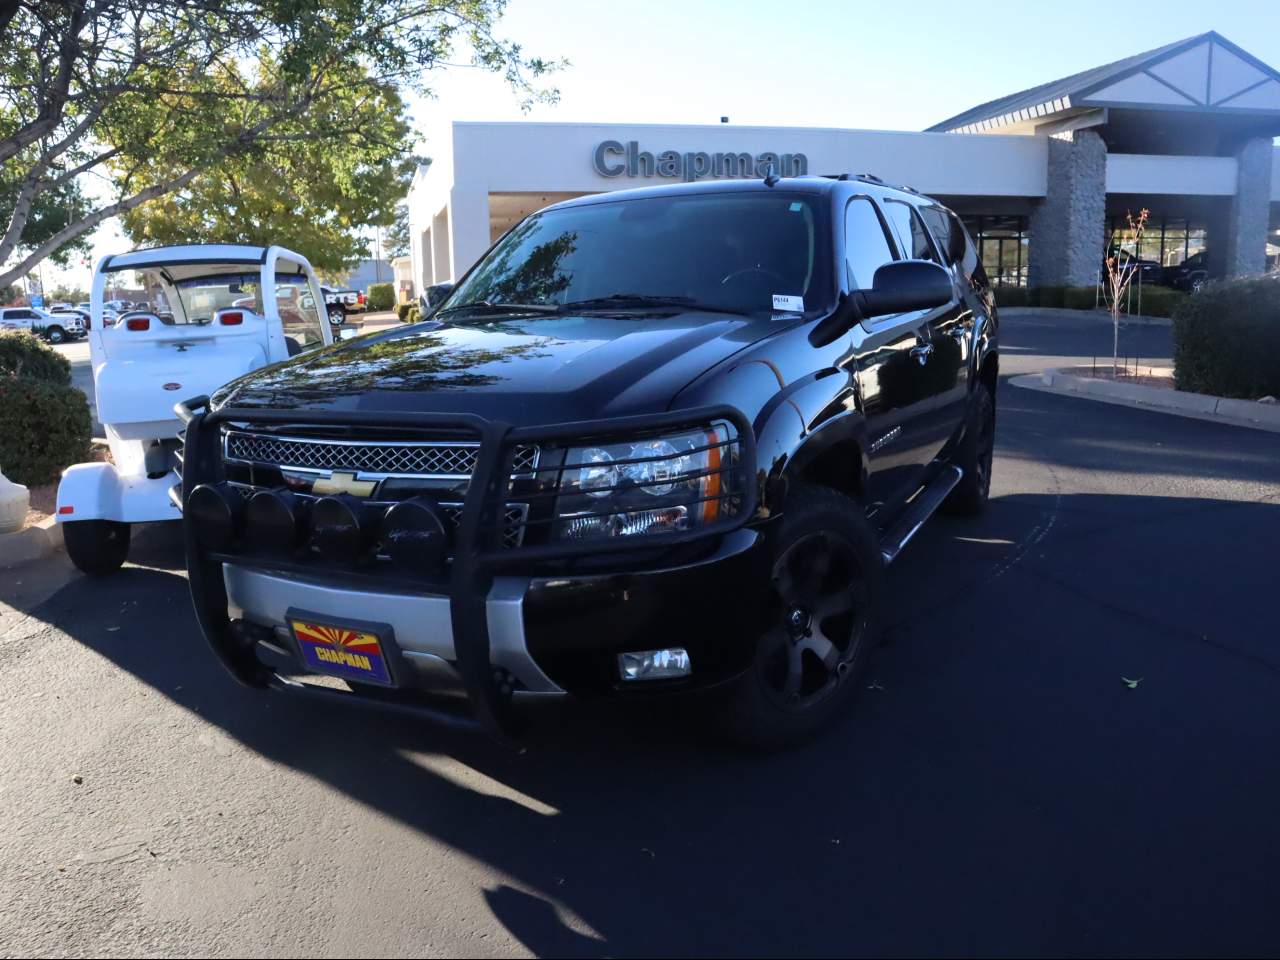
(921, 510)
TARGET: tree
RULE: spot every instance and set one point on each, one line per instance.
(1121, 268)
(304, 194)
(51, 212)
(71, 295)
(155, 95)
(397, 236)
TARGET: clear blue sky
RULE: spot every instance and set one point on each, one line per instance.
(903, 65)
(824, 63)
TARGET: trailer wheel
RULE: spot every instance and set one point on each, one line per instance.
(98, 547)
(337, 316)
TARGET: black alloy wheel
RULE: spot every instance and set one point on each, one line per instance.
(975, 456)
(819, 624)
(826, 587)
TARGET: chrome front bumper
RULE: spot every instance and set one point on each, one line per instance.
(422, 623)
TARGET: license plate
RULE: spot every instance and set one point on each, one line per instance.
(341, 650)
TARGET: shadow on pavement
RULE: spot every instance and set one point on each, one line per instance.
(997, 789)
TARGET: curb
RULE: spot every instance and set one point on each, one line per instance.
(31, 544)
(1200, 406)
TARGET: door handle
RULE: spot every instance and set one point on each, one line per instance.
(921, 352)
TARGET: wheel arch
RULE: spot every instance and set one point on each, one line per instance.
(834, 457)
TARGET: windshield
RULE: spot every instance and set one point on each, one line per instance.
(733, 252)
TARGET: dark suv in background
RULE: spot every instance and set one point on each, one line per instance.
(1190, 275)
(656, 441)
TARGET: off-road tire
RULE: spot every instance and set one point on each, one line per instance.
(974, 457)
(766, 707)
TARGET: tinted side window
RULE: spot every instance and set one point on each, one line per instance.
(865, 245)
(941, 226)
(913, 241)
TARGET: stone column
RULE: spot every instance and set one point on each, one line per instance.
(1068, 228)
(1243, 249)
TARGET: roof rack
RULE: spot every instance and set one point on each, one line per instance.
(872, 178)
(853, 176)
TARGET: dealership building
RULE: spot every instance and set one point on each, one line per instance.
(1041, 177)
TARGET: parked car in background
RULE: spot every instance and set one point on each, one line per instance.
(1145, 271)
(55, 328)
(341, 303)
(675, 459)
(1191, 274)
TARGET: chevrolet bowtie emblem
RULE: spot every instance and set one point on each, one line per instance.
(344, 483)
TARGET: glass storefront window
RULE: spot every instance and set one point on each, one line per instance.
(1004, 245)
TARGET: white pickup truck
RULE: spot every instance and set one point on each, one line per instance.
(54, 327)
(219, 311)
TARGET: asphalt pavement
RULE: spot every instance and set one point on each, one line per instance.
(1066, 746)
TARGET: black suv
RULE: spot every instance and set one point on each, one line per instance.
(655, 441)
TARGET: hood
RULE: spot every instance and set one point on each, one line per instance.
(522, 370)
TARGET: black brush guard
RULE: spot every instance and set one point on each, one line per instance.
(478, 551)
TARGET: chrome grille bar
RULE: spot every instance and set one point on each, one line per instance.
(372, 459)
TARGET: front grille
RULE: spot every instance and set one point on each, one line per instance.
(430, 459)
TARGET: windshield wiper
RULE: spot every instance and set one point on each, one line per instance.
(490, 306)
(642, 300)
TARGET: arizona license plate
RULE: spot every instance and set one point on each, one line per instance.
(351, 653)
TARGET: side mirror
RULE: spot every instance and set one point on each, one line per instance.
(897, 287)
(435, 296)
(905, 285)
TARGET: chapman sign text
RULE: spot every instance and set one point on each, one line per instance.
(612, 158)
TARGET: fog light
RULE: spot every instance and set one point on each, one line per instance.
(214, 512)
(413, 534)
(655, 664)
(340, 530)
(272, 521)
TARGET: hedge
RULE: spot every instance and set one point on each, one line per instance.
(382, 296)
(1226, 339)
(25, 355)
(44, 428)
(1156, 301)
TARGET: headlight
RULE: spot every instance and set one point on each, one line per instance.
(656, 484)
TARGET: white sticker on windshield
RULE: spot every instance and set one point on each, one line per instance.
(788, 304)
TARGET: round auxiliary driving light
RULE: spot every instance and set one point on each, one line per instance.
(413, 534)
(272, 521)
(214, 510)
(339, 530)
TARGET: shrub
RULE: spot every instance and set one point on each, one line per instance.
(1011, 297)
(382, 296)
(25, 355)
(1080, 298)
(414, 314)
(1046, 296)
(1158, 301)
(402, 311)
(1226, 339)
(44, 428)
